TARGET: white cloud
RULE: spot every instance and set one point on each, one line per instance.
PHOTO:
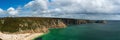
(82, 9)
(12, 11)
(74, 8)
(1, 10)
(79, 8)
(37, 5)
(91, 6)
(2, 13)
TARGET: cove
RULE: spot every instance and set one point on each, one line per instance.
(109, 31)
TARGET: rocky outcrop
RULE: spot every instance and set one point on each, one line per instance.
(0, 39)
(37, 24)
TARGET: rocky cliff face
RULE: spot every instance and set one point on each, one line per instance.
(37, 24)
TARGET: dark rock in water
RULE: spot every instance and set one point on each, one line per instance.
(99, 21)
(0, 39)
(40, 38)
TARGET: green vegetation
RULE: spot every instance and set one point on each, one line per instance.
(28, 24)
(36, 24)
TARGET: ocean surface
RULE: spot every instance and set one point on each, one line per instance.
(109, 31)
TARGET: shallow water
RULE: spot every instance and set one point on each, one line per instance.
(109, 31)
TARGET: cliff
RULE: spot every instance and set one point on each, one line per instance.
(37, 24)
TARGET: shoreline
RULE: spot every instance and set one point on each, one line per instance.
(33, 36)
(26, 36)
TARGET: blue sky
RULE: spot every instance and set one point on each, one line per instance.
(50, 0)
(5, 4)
(81, 9)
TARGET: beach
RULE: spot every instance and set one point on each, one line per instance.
(26, 36)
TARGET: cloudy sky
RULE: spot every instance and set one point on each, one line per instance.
(79, 9)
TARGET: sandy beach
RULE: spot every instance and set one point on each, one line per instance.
(26, 36)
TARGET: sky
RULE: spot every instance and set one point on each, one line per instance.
(78, 9)
(5, 4)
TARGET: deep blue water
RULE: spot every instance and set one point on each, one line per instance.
(109, 31)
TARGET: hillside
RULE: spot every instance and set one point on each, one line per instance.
(37, 24)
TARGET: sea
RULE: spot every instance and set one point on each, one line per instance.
(91, 31)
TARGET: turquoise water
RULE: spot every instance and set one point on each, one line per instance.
(109, 31)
